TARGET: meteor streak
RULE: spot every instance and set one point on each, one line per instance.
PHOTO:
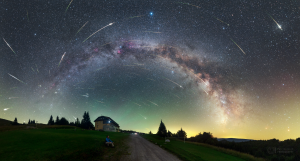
(12, 97)
(81, 28)
(279, 26)
(87, 95)
(153, 103)
(153, 32)
(61, 58)
(151, 79)
(6, 109)
(136, 16)
(9, 46)
(68, 6)
(16, 78)
(143, 117)
(238, 46)
(174, 82)
(99, 30)
(99, 68)
(204, 90)
(221, 21)
(136, 104)
(27, 15)
(189, 4)
(176, 96)
(37, 68)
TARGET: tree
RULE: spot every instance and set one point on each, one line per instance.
(169, 134)
(86, 121)
(63, 121)
(15, 121)
(77, 123)
(57, 120)
(162, 130)
(181, 133)
(29, 122)
(150, 132)
(51, 121)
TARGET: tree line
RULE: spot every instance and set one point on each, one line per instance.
(85, 122)
(267, 149)
(163, 132)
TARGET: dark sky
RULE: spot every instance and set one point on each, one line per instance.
(228, 67)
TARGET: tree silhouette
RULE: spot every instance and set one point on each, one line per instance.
(150, 132)
(15, 121)
(57, 121)
(77, 123)
(63, 121)
(29, 122)
(86, 121)
(169, 134)
(51, 121)
(181, 133)
(162, 130)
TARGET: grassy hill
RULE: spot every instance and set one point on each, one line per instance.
(60, 144)
(197, 151)
(4, 122)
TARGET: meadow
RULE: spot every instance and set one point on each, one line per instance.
(60, 144)
(196, 151)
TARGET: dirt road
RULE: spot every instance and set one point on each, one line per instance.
(143, 150)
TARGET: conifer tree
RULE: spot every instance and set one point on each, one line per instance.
(86, 121)
(181, 133)
(57, 121)
(29, 122)
(15, 121)
(77, 122)
(162, 130)
(50, 122)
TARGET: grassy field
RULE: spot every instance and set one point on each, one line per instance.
(195, 151)
(34, 126)
(60, 144)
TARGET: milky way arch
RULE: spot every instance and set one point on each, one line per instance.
(217, 81)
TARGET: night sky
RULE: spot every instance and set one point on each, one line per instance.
(228, 67)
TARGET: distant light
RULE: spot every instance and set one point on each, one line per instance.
(151, 13)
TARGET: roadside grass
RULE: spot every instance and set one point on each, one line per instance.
(244, 156)
(197, 151)
(60, 144)
(34, 126)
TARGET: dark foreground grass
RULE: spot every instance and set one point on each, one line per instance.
(191, 151)
(60, 144)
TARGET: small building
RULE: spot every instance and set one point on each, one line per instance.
(104, 123)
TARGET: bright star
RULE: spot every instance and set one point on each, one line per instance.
(151, 13)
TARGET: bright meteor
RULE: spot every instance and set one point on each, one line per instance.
(279, 26)
(61, 58)
(9, 46)
(174, 82)
(81, 27)
(238, 46)
(99, 30)
(16, 78)
(69, 5)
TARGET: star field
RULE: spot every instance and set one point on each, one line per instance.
(231, 68)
